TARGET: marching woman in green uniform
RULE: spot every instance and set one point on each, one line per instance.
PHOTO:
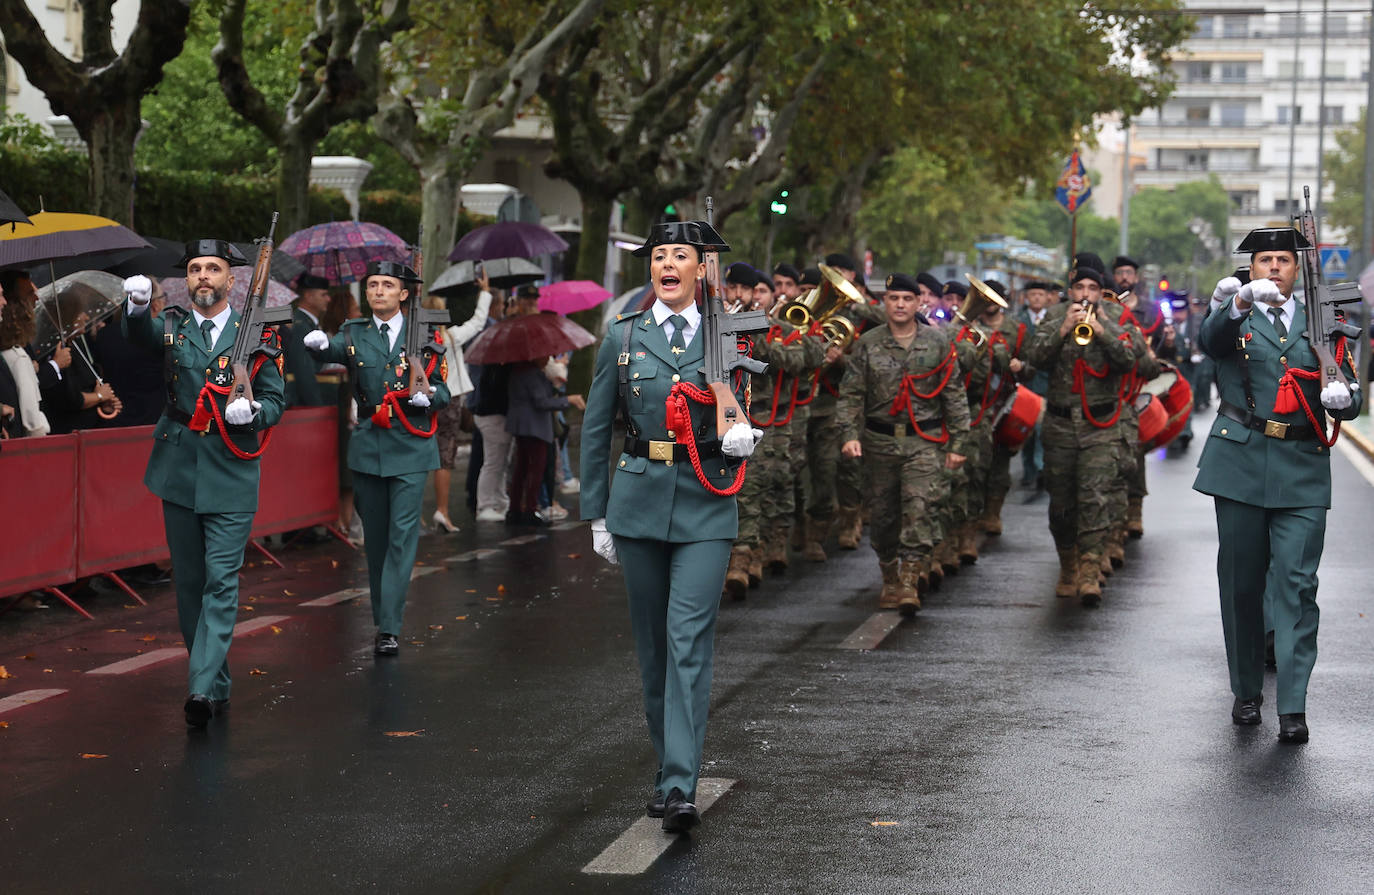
(1267, 464)
(393, 450)
(670, 531)
(204, 463)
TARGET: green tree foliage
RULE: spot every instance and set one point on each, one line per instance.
(1344, 170)
(1043, 221)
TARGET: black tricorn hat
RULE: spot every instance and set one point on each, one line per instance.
(1272, 239)
(213, 248)
(391, 269)
(811, 276)
(693, 233)
(1123, 261)
(1087, 273)
(900, 282)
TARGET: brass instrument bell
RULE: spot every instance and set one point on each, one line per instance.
(824, 303)
(1083, 332)
(979, 299)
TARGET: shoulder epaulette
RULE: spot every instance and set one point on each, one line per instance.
(619, 318)
(357, 321)
(174, 311)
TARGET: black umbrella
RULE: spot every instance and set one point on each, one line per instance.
(9, 212)
(504, 273)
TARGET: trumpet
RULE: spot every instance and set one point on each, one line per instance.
(1083, 332)
(980, 299)
(824, 304)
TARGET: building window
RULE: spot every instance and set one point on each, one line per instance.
(1195, 161)
(1284, 112)
(1233, 72)
(1336, 25)
(1205, 27)
(1287, 68)
(1245, 202)
(1232, 115)
(1285, 206)
(1198, 114)
(1199, 71)
(1335, 69)
(1333, 114)
(1234, 26)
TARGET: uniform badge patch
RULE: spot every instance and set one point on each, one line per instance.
(639, 355)
(223, 362)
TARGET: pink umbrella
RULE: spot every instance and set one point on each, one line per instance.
(277, 294)
(571, 295)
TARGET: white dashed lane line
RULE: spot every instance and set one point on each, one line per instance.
(28, 697)
(872, 632)
(636, 849)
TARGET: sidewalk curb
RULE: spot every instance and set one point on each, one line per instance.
(1360, 440)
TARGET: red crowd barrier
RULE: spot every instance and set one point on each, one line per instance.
(75, 505)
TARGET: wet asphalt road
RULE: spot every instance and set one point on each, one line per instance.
(1003, 741)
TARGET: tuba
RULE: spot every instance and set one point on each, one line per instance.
(979, 299)
(823, 304)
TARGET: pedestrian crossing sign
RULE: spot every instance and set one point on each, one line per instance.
(1335, 261)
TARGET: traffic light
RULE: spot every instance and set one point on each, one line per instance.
(779, 205)
(1163, 284)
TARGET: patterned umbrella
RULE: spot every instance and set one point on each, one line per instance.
(9, 212)
(532, 336)
(277, 294)
(51, 235)
(570, 296)
(507, 239)
(341, 250)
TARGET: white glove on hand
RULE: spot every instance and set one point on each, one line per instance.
(240, 412)
(1226, 287)
(1335, 396)
(602, 542)
(1259, 292)
(316, 340)
(740, 440)
(139, 289)
(419, 399)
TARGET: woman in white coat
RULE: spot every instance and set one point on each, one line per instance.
(450, 417)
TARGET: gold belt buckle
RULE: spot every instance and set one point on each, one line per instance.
(899, 430)
(661, 450)
(1275, 429)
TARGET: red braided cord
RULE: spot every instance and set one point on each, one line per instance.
(219, 419)
(678, 395)
(1288, 383)
(1080, 367)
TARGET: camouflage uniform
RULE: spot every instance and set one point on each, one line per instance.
(903, 468)
(988, 368)
(1081, 454)
(1013, 334)
(1149, 331)
(1130, 489)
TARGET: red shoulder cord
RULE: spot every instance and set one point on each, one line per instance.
(391, 406)
(909, 390)
(816, 380)
(1290, 396)
(1081, 367)
(966, 336)
(200, 420)
(678, 419)
(773, 336)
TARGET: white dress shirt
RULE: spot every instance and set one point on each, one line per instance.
(691, 313)
(1286, 311)
(393, 328)
(218, 321)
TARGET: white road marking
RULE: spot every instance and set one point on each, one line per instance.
(872, 632)
(135, 663)
(471, 555)
(258, 624)
(28, 697)
(1357, 459)
(636, 849)
(339, 596)
(567, 526)
(422, 571)
(521, 539)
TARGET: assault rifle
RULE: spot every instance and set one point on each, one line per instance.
(1327, 316)
(256, 317)
(419, 335)
(721, 332)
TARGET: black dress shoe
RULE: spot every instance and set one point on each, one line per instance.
(679, 815)
(386, 645)
(199, 710)
(1246, 711)
(655, 807)
(1293, 728)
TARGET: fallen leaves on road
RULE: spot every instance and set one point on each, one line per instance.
(148, 638)
(28, 657)
(115, 630)
(276, 629)
(404, 733)
(47, 671)
(884, 823)
(333, 563)
(257, 671)
(493, 599)
(470, 590)
(4, 725)
(500, 588)
(4, 674)
(460, 618)
(574, 556)
(249, 608)
(94, 755)
(436, 627)
(288, 593)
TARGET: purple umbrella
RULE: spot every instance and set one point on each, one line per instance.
(570, 296)
(507, 239)
(277, 294)
(341, 250)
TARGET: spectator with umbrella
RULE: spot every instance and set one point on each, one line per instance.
(451, 416)
(20, 413)
(11, 425)
(533, 399)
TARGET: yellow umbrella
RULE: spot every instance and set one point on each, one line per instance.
(57, 234)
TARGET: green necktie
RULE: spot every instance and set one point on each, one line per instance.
(205, 327)
(678, 343)
(1277, 314)
(385, 330)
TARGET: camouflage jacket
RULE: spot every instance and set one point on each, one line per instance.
(985, 366)
(792, 356)
(1097, 366)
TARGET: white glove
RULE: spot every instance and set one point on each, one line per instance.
(1226, 287)
(1259, 292)
(316, 340)
(740, 440)
(419, 399)
(602, 542)
(139, 289)
(240, 412)
(1335, 396)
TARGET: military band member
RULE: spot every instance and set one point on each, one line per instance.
(392, 451)
(1039, 296)
(1154, 333)
(903, 411)
(985, 361)
(656, 518)
(1011, 333)
(1268, 468)
(1082, 409)
(787, 282)
(207, 478)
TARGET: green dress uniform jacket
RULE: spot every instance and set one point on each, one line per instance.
(302, 388)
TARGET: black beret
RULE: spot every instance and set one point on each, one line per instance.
(1039, 284)
(787, 270)
(1123, 261)
(811, 276)
(741, 274)
(1272, 239)
(310, 281)
(956, 287)
(840, 259)
(997, 286)
(900, 282)
(929, 281)
(395, 269)
(1087, 273)
(693, 233)
(213, 248)
(1089, 259)
(527, 290)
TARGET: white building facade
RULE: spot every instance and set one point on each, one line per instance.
(1234, 110)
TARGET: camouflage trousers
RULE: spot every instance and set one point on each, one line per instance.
(766, 499)
(822, 463)
(904, 481)
(1130, 463)
(999, 474)
(978, 449)
(1082, 476)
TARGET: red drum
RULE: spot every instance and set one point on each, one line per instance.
(1017, 418)
(1175, 397)
(1153, 419)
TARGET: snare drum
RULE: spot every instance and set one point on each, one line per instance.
(1153, 420)
(1017, 419)
(1175, 397)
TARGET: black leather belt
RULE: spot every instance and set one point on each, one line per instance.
(902, 430)
(1097, 411)
(1271, 428)
(177, 415)
(668, 450)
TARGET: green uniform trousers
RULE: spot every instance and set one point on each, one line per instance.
(904, 483)
(999, 475)
(823, 457)
(674, 590)
(390, 510)
(1282, 547)
(766, 499)
(207, 553)
(1082, 476)
(978, 466)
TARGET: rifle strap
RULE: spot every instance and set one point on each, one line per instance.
(622, 379)
(353, 377)
(171, 318)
